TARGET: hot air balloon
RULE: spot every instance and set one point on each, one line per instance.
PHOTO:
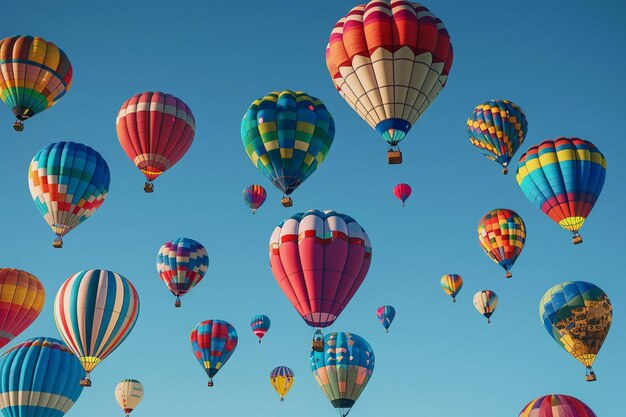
(501, 234)
(181, 264)
(68, 182)
(287, 135)
(497, 128)
(40, 378)
(282, 379)
(389, 60)
(385, 315)
(402, 192)
(343, 369)
(260, 324)
(254, 196)
(577, 315)
(34, 75)
(557, 405)
(319, 259)
(452, 284)
(155, 130)
(94, 303)
(129, 393)
(213, 342)
(21, 300)
(564, 178)
(486, 302)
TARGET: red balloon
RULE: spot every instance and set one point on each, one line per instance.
(319, 259)
(156, 130)
(402, 192)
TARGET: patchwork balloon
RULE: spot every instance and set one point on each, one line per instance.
(181, 264)
(34, 75)
(564, 178)
(95, 310)
(128, 393)
(282, 379)
(501, 234)
(68, 182)
(155, 130)
(213, 342)
(452, 284)
(486, 302)
(497, 128)
(389, 61)
(556, 405)
(260, 324)
(287, 135)
(254, 196)
(577, 315)
(385, 315)
(402, 192)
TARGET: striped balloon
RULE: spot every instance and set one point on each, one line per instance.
(155, 130)
(39, 378)
(213, 342)
(564, 178)
(556, 405)
(287, 135)
(343, 369)
(486, 302)
(389, 60)
(497, 128)
(282, 379)
(385, 315)
(402, 192)
(501, 234)
(260, 324)
(21, 299)
(319, 259)
(254, 196)
(128, 393)
(68, 182)
(452, 284)
(181, 264)
(34, 75)
(95, 310)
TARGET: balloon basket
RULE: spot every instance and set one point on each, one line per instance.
(488, 320)
(317, 345)
(505, 170)
(148, 187)
(453, 300)
(591, 376)
(210, 383)
(18, 126)
(57, 243)
(282, 399)
(85, 382)
(259, 340)
(177, 303)
(508, 274)
(394, 157)
(577, 239)
(286, 201)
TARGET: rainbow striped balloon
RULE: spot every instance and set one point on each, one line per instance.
(452, 284)
(21, 299)
(501, 234)
(95, 310)
(556, 405)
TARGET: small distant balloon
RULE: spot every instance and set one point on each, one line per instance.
(260, 324)
(282, 379)
(254, 196)
(501, 234)
(402, 192)
(451, 285)
(385, 315)
(129, 393)
(486, 302)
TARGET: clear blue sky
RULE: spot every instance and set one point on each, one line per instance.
(561, 61)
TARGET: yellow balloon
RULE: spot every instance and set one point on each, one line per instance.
(282, 379)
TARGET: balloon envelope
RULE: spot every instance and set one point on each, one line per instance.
(564, 178)
(181, 264)
(254, 196)
(21, 299)
(486, 302)
(402, 192)
(260, 324)
(343, 369)
(556, 405)
(213, 342)
(501, 234)
(319, 259)
(129, 393)
(452, 284)
(385, 315)
(95, 310)
(282, 379)
(39, 378)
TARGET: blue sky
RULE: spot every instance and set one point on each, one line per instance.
(561, 61)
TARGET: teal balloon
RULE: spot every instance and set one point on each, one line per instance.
(39, 378)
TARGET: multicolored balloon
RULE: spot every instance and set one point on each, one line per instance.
(213, 342)
(34, 75)
(155, 130)
(181, 264)
(254, 196)
(385, 315)
(501, 234)
(564, 178)
(40, 378)
(343, 369)
(497, 128)
(260, 324)
(402, 192)
(319, 259)
(95, 310)
(389, 61)
(68, 182)
(128, 393)
(556, 405)
(21, 299)
(486, 302)
(282, 379)
(287, 135)
(452, 284)
(577, 315)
